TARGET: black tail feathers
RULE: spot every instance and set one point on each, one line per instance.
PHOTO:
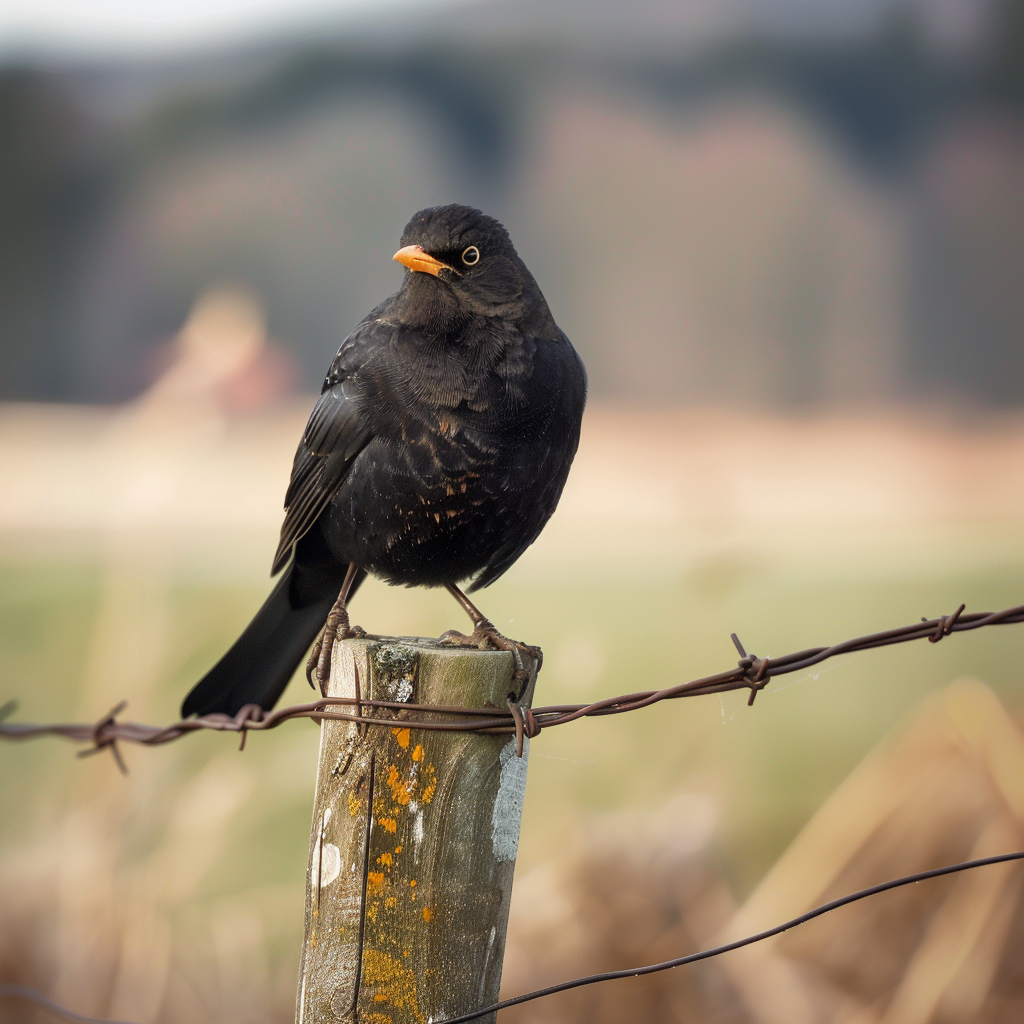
(263, 659)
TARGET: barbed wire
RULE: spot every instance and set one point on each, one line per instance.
(24, 992)
(751, 672)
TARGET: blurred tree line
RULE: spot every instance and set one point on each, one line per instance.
(115, 179)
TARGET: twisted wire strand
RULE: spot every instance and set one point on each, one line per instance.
(751, 673)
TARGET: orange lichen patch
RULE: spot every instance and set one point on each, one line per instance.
(375, 878)
(399, 789)
(393, 982)
(412, 883)
(354, 803)
(390, 902)
(378, 1018)
(398, 848)
(430, 788)
(427, 914)
(389, 824)
(405, 952)
(417, 753)
(402, 735)
(384, 858)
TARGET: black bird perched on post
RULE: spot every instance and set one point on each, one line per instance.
(436, 452)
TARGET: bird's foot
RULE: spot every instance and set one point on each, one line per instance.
(486, 637)
(337, 627)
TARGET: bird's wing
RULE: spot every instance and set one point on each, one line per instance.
(335, 434)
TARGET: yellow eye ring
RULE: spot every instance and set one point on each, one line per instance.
(471, 256)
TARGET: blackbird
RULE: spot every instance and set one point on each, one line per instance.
(435, 454)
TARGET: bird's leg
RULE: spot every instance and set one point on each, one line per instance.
(485, 635)
(335, 628)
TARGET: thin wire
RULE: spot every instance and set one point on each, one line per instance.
(24, 992)
(637, 972)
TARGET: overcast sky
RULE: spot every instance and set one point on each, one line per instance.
(101, 27)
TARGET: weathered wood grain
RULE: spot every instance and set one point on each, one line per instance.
(413, 843)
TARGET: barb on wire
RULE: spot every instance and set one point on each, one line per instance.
(751, 673)
(636, 972)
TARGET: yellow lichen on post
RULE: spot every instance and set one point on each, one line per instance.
(413, 844)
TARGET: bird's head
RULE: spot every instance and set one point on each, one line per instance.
(461, 263)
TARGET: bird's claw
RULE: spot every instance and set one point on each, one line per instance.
(485, 637)
(453, 638)
(318, 667)
(314, 660)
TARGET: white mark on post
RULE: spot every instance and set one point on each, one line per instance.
(417, 828)
(508, 804)
(330, 864)
(327, 864)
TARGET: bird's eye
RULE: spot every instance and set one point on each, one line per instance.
(471, 255)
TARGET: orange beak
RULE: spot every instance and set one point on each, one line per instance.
(414, 257)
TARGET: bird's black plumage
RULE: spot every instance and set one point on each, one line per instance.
(435, 454)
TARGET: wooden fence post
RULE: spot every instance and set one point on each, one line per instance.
(413, 843)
